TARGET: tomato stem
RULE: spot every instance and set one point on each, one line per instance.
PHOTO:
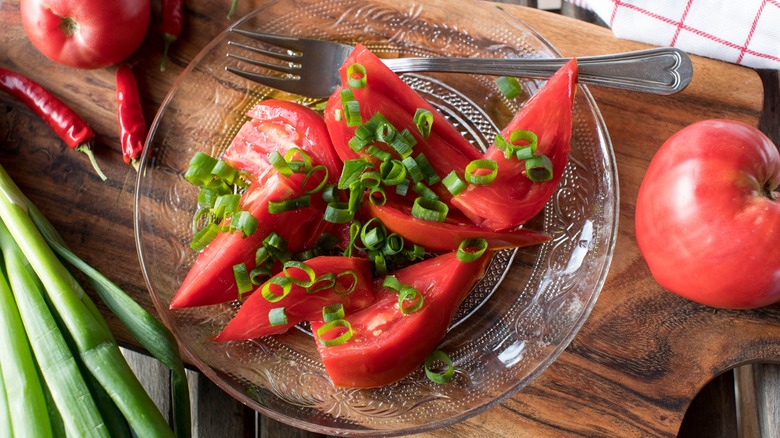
(69, 26)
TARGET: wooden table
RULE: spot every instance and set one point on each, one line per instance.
(633, 369)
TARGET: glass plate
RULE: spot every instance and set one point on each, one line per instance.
(515, 322)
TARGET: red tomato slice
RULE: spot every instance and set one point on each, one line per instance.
(277, 125)
(512, 199)
(252, 321)
(447, 235)
(210, 279)
(386, 344)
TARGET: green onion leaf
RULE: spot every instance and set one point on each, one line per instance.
(324, 180)
(539, 168)
(227, 205)
(453, 183)
(509, 86)
(392, 172)
(333, 312)
(243, 281)
(429, 209)
(423, 118)
(244, 222)
(338, 213)
(202, 238)
(444, 376)
(412, 295)
(277, 316)
(225, 172)
(199, 171)
(281, 282)
(351, 171)
(280, 164)
(377, 196)
(329, 193)
(425, 191)
(391, 282)
(378, 153)
(327, 327)
(413, 169)
(276, 207)
(471, 249)
(475, 172)
(430, 175)
(356, 75)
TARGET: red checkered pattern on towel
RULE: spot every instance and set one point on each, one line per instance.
(745, 32)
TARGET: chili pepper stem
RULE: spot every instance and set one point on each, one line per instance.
(232, 10)
(168, 39)
(87, 150)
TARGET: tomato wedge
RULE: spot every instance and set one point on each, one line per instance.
(277, 125)
(387, 344)
(447, 235)
(252, 320)
(211, 279)
(512, 199)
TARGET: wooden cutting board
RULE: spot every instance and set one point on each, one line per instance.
(633, 368)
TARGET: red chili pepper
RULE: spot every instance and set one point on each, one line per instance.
(132, 125)
(170, 27)
(71, 128)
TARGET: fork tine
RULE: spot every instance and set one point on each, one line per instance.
(290, 69)
(291, 57)
(277, 82)
(286, 42)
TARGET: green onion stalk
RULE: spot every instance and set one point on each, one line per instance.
(55, 304)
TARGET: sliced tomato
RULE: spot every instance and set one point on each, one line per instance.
(512, 199)
(252, 320)
(211, 279)
(279, 126)
(386, 344)
(447, 235)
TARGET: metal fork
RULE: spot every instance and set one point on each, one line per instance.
(310, 66)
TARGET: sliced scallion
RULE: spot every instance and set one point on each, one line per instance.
(279, 282)
(332, 325)
(453, 183)
(509, 86)
(338, 213)
(276, 207)
(356, 75)
(471, 249)
(303, 267)
(439, 377)
(539, 168)
(333, 312)
(423, 119)
(411, 295)
(475, 172)
(277, 316)
(429, 209)
(340, 289)
(243, 281)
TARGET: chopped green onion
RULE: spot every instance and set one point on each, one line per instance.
(300, 165)
(391, 282)
(373, 233)
(243, 281)
(320, 185)
(430, 175)
(429, 209)
(339, 289)
(298, 203)
(379, 261)
(275, 243)
(423, 118)
(394, 244)
(356, 75)
(329, 193)
(244, 222)
(333, 312)
(403, 143)
(259, 272)
(355, 196)
(425, 191)
(225, 172)
(442, 377)
(280, 164)
(539, 168)
(281, 282)
(351, 171)
(471, 249)
(413, 169)
(512, 148)
(377, 196)
(453, 183)
(524, 153)
(198, 218)
(385, 132)
(306, 269)
(227, 205)
(339, 323)
(338, 213)
(323, 282)
(357, 144)
(338, 114)
(352, 112)
(416, 252)
(402, 188)
(378, 153)
(509, 86)
(354, 234)
(412, 295)
(370, 179)
(474, 173)
(392, 172)
(207, 196)
(277, 316)
(202, 238)
(199, 171)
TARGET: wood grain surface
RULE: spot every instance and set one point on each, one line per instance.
(636, 364)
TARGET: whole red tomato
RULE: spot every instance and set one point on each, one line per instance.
(708, 215)
(86, 33)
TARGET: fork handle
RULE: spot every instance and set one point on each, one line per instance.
(665, 70)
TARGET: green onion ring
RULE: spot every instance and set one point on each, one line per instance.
(411, 294)
(308, 270)
(344, 337)
(323, 282)
(429, 209)
(423, 119)
(471, 249)
(539, 168)
(446, 375)
(277, 316)
(333, 312)
(319, 186)
(283, 282)
(341, 291)
(476, 165)
(358, 70)
(276, 207)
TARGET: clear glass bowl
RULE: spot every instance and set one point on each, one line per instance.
(515, 322)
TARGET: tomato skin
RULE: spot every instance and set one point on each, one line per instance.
(277, 125)
(708, 215)
(387, 345)
(86, 34)
(512, 199)
(251, 321)
(210, 279)
(446, 236)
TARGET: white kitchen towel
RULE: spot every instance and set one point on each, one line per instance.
(745, 32)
